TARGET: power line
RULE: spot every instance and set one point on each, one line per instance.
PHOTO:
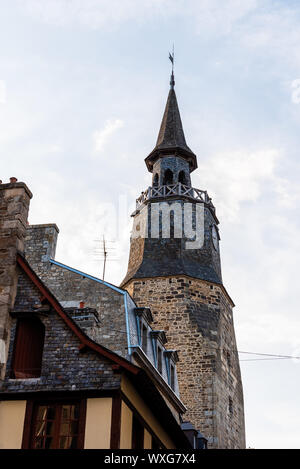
(274, 356)
(263, 359)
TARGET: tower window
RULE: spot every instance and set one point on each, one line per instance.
(182, 177)
(155, 180)
(168, 177)
(28, 349)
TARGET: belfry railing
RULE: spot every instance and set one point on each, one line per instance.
(158, 192)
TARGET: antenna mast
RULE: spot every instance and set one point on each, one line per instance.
(104, 258)
(105, 252)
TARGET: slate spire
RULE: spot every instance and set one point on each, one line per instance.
(171, 139)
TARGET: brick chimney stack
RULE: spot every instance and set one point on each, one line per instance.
(14, 205)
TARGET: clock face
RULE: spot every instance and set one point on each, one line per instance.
(215, 237)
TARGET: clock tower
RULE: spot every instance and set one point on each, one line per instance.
(174, 268)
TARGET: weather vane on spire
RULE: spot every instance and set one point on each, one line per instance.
(171, 57)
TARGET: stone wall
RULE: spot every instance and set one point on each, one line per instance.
(64, 367)
(197, 318)
(14, 205)
(174, 164)
(40, 245)
(72, 288)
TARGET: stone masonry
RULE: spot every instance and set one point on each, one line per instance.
(65, 367)
(182, 284)
(14, 205)
(71, 289)
(197, 318)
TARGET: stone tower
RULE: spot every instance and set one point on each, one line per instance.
(175, 270)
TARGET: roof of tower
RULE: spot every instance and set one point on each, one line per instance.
(171, 139)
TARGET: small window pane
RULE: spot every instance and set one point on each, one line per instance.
(40, 428)
(75, 412)
(73, 442)
(63, 442)
(159, 359)
(50, 413)
(49, 443)
(144, 337)
(50, 428)
(172, 377)
(74, 427)
(64, 429)
(38, 443)
(60, 431)
(42, 412)
(66, 412)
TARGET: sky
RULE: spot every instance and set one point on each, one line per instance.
(83, 85)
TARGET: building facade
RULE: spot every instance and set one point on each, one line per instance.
(174, 268)
(81, 365)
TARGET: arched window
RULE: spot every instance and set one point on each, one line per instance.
(181, 177)
(155, 180)
(168, 177)
(28, 349)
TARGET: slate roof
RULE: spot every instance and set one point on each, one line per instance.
(171, 135)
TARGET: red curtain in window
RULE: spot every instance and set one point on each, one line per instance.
(28, 352)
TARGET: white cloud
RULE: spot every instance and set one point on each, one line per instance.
(92, 13)
(2, 92)
(102, 136)
(236, 177)
(216, 17)
(209, 16)
(295, 85)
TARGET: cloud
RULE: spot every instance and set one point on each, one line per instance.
(216, 17)
(102, 136)
(95, 14)
(2, 92)
(238, 176)
(295, 85)
(209, 16)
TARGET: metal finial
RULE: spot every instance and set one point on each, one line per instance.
(171, 57)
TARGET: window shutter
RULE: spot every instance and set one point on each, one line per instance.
(29, 344)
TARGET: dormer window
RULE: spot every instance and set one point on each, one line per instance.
(143, 318)
(158, 339)
(172, 376)
(28, 348)
(171, 360)
(159, 358)
(144, 337)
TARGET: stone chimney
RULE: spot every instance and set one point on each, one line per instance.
(14, 205)
(40, 246)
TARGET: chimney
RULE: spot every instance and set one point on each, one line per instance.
(40, 246)
(14, 204)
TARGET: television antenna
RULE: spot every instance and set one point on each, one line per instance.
(105, 251)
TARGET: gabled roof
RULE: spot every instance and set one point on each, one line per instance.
(142, 381)
(85, 341)
(85, 275)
